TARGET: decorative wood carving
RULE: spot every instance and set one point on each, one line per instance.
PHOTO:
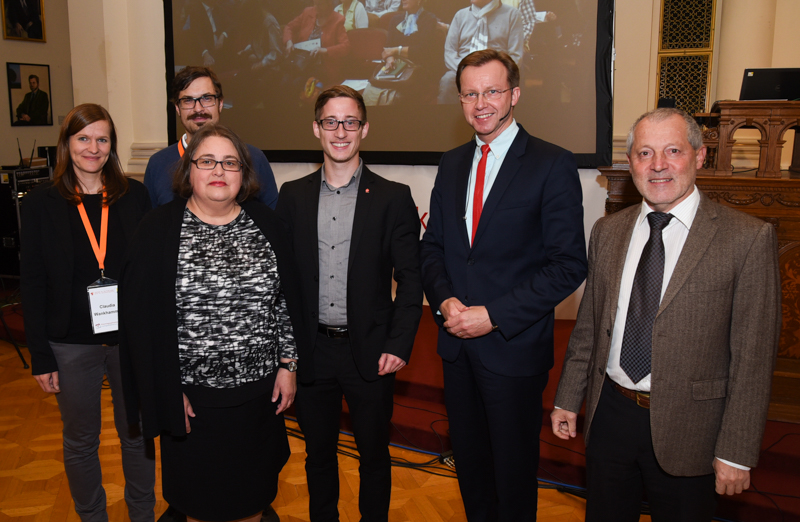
(772, 119)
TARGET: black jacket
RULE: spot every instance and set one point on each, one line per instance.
(46, 264)
(384, 245)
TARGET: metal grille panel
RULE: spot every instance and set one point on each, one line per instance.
(685, 78)
(687, 24)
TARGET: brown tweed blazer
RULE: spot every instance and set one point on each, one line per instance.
(715, 338)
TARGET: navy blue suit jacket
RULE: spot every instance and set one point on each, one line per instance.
(529, 252)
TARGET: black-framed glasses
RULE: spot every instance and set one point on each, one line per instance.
(230, 165)
(490, 95)
(206, 100)
(331, 124)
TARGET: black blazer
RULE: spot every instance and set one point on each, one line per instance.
(149, 328)
(46, 264)
(385, 238)
(528, 255)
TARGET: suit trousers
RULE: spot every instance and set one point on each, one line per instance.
(495, 421)
(80, 372)
(319, 408)
(621, 465)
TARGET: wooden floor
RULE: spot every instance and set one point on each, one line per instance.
(33, 486)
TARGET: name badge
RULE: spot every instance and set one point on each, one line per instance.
(103, 305)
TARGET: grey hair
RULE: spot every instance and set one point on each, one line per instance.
(693, 132)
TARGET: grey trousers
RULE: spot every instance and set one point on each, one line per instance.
(80, 372)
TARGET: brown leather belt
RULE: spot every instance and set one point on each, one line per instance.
(336, 332)
(641, 398)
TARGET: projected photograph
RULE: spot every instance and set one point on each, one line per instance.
(273, 58)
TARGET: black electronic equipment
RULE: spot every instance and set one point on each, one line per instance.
(48, 152)
(771, 84)
(14, 185)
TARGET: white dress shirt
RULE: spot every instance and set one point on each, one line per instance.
(674, 236)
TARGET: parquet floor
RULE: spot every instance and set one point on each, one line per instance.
(33, 486)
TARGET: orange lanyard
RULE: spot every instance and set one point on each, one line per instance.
(181, 150)
(99, 250)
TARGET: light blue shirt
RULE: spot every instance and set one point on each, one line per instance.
(497, 152)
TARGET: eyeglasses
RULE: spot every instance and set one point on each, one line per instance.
(490, 95)
(230, 165)
(331, 124)
(206, 100)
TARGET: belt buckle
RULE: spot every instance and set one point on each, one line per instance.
(640, 398)
(335, 332)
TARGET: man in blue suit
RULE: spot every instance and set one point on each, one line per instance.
(504, 245)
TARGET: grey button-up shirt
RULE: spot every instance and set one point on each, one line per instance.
(337, 207)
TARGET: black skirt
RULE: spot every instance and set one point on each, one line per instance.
(227, 467)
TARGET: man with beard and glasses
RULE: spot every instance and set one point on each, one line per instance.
(34, 107)
(197, 95)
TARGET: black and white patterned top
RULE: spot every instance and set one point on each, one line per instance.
(233, 324)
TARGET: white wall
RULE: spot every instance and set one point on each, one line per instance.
(635, 42)
(55, 52)
(758, 35)
(118, 62)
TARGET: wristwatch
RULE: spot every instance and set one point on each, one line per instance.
(291, 366)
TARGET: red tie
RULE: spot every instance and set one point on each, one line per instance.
(477, 200)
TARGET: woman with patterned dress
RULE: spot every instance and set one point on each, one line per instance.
(209, 304)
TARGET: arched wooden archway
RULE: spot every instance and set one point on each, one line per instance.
(772, 119)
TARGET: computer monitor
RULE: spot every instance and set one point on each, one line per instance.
(771, 84)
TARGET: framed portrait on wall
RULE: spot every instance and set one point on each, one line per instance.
(29, 94)
(23, 20)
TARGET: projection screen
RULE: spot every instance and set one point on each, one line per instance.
(563, 49)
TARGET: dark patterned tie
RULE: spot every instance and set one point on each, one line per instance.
(637, 342)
